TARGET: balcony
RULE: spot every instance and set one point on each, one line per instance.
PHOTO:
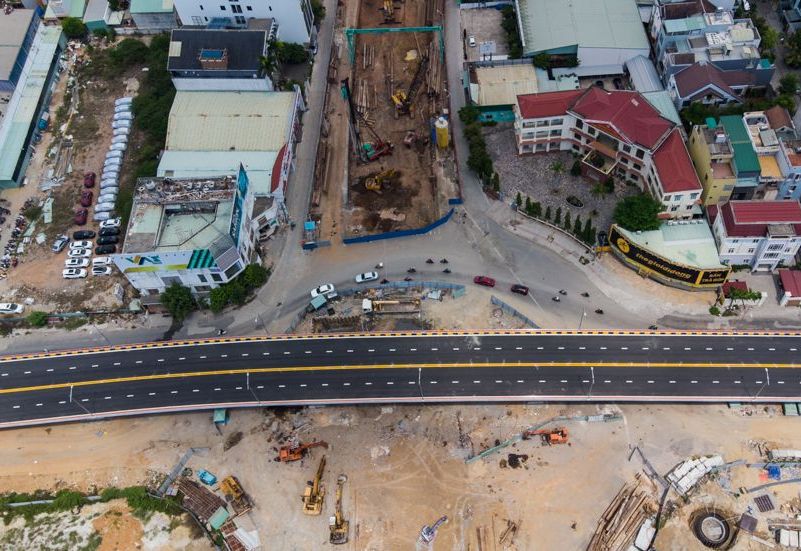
(598, 163)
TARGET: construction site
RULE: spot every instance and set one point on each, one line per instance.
(384, 161)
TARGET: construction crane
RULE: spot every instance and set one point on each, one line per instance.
(403, 100)
(367, 151)
(339, 526)
(297, 451)
(549, 436)
(314, 492)
(428, 533)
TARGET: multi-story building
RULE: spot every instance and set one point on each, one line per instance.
(684, 33)
(713, 158)
(705, 83)
(616, 134)
(229, 59)
(17, 32)
(790, 164)
(763, 235)
(295, 20)
(200, 233)
(790, 15)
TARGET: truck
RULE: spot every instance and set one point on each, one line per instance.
(44, 120)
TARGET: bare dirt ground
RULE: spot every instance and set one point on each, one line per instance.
(405, 467)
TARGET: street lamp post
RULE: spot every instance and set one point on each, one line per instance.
(72, 401)
(583, 315)
(420, 382)
(592, 381)
(766, 383)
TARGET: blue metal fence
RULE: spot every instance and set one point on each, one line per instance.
(399, 233)
(512, 312)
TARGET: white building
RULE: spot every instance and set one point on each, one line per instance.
(295, 19)
(761, 234)
(198, 233)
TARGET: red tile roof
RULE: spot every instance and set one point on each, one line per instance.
(627, 111)
(751, 218)
(275, 177)
(698, 76)
(791, 281)
(672, 162)
(779, 117)
(547, 104)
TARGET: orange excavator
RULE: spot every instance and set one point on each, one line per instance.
(297, 451)
(549, 436)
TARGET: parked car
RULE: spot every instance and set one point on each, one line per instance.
(105, 249)
(119, 139)
(120, 124)
(104, 207)
(118, 146)
(109, 231)
(86, 198)
(108, 240)
(11, 308)
(73, 273)
(76, 263)
(83, 234)
(325, 289)
(80, 217)
(472, 41)
(101, 216)
(101, 261)
(484, 280)
(366, 276)
(80, 245)
(121, 131)
(114, 155)
(520, 289)
(123, 116)
(79, 253)
(111, 223)
(126, 100)
(107, 197)
(59, 244)
(101, 270)
(89, 179)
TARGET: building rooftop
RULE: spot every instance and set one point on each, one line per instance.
(791, 281)
(229, 121)
(689, 243)
(754, 218)
(552, 24)
(769, 167)
(643, 75)
(243, 48)
(745, 158)
(779, 118)
(13, 28)
(501, 85)
(692, 80)
(672, 162)
(550, 104)
(663, 103)
(259, 166)
(75, 9)
(23, 106)
(172, 214)
(151, 6)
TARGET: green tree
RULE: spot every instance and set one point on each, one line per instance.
(542, 61)
(792, 50)
(529, 206)
(129, 52)
(518, 199)
(254, 276)
(577, 228)
(638, 213)
(219, 299)
(770, 37)
(496, 183)
(548, 213)
(536, 209)
(318, 9)
(178, 301)
(289, 52)
(789, 84)
(37, 318)
(73, 27)
(568, 224)
(558, 219)
(469, 113)
(575, 170)
(588, 235)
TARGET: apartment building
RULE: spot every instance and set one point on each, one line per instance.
(616, 134)
(763, 235)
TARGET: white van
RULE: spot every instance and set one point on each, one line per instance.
(121, 124)
(124, 116)
(123, 101)
(104, 207)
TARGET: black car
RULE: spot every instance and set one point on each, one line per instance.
(83, 234)
(105, 249)
(108, 240)
(520, 289)
(109, 231)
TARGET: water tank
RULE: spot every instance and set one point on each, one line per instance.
(441, 126)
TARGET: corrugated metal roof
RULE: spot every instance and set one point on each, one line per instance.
(550, 24)
(664, 104)
(151, 6)
(13, 28)
(769, 167)
(203, 164)
(22, 107)
(694, 23)
(643, 74)
(229, 121)
(502, 85)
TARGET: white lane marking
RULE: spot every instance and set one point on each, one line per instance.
(729, 348)
(368, 383)
(151, 393)
(138, 361)
(582, 348)
(715, 382)
(645, 348)
(540, 348)
(781, 382)
(477, 348)
(498, 381)
(369, 350)
(245, 354)
(62, 402)
(624, 347)
(329, 351)
(306, 352)
(98, 365)
(107, 398)
(520, 381)
(560, 347)
(239, 388)
(116, 363)
(265, 353)
(603, 348)
(392, 350)
(195, 390)
(455, 382)
(563, 381)
(159, 360)
(173, 392)
(324, 384)
(792, 350)
(542, 380)
(772, 349)
(84, 399)
(39, 405)
(518, 348)
(302, 385)
(412, 350)
(434, 349)
(585, 380)
(219, 389)
(350, 350)
(182, 358)
(73, 367)
(665, 348)
(499, 348)
(694, 382)
(650, 382)
(751, 348)
(737, 382)
(455, 348)
(672, 382)
(286, 352)
(260, 387)
(223, 355)
(476, 382)
(687, 348)
(16, 407)
(50, 370)
(629, 381)
(203, 357)
(345, 384)
(390, 382)
(412, 382)
(759, 382)
(279, 386)
(4, 375)
(433, 382)
(607, 381)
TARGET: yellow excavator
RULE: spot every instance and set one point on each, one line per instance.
(399, 99)
(339, 526)
(375, 183)
(314, 493)
(389, 11)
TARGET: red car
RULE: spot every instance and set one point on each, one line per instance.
(80, 217)
(484, 280)
(86, 198)
(89, 179)
(520, 289)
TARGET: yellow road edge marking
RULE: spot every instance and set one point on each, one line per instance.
(256, 370)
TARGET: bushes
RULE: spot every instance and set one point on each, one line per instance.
(509, 26)
(178, 300)
(73, 27)
(238, 290)
(37, 318)
(478, 160)
(584, 232)
(128, 53)
(638, 213)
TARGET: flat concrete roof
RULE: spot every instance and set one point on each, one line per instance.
(179, 215)
(501, 85)
(691, 244)
(552, 24)
(151, 6)
(229, 121)
(13, 28)
(22, 107)
(205, 164)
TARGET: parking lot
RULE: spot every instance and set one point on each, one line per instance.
(483, 24)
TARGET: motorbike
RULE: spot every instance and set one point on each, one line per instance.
(599, 311)
(379, 266)
(446, 271)
(443, 261)
(407, 278)
(585, 294)
(653, 327)
(429, 261)
(384, 281)
(555, 299)
(411, 270)
(562, 292)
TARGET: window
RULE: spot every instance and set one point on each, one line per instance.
(216, 277)
(626, 148)
(678, 197)
(239, 19)
(579, 125)
(542, 134)
(222, 8)
(202, 278)
(236, 8)
(750, 251)
(770, 255)
(231, 271)
(196, 20)
(689, 207)
(666, 198)
(152, 292)
(555, 132)
(591, 130)
(202, 288)
(637, 166)
(542, 123)
(556, 122)
(674, 208)
(250, 8)
(775, 247)
(624, 161)
(640, 154)
(528, 135)
(577, 136)
(731, 251)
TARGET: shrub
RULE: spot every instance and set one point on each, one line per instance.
(575, 170)
(37, 318)
(291, 53)
(518, 199)
(558, 219)
(568, 223)
(536, 209)
(129, 52)
(238, 290)
(714, 310)
(73, 27)
(548, 213)
(318, 9)
(178, 301)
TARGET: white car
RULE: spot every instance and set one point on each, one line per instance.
(73, 273)
(325, 289)
(80, 253)
(11, 308)
(472, 41)
(76, 263)
(81, 245)
(111, 223)
(101, 270)
(101, 261)
(366, 276)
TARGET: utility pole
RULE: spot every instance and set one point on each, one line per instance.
(592, 381)
(420, 382)
(766, 383)
(78, 403)
(583, 315)
(247, 383)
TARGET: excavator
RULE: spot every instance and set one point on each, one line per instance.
(388, 10)
(375, 183)
(297, 451)
(339, 526)
(367, 151)
(314, 493)
(549, 436)
(403, 100)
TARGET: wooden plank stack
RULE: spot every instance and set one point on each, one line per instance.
(623, 518)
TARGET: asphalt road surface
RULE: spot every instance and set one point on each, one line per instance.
(401, 367)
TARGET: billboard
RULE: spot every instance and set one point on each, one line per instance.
(239, 203)
(162, 262)
(669, 269)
